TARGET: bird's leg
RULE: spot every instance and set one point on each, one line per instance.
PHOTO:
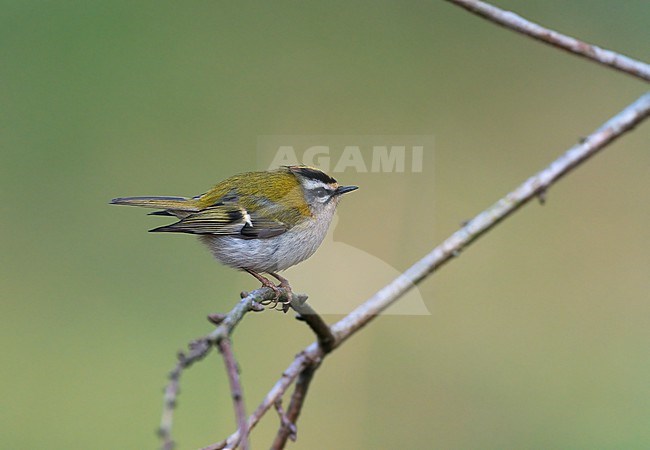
(269, 284)
(284, 283)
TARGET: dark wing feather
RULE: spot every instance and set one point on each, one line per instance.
(262, 228)
(226, 220)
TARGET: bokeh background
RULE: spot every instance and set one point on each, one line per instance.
(539, 333)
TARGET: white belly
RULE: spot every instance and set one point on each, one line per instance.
(268, 255)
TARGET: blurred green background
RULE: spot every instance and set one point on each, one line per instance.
(539, 334)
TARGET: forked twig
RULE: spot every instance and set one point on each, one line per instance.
(235, 389)
(288, 429)
(198, 349)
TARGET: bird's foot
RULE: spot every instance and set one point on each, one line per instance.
(284, 284)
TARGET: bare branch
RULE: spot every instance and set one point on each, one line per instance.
(307, 314)
(288, 428)
(197, 350)
(535, 186)
(311, 355)
(517, 23)
(538, 184)
(235, 389)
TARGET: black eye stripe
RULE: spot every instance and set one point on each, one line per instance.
(321, 192)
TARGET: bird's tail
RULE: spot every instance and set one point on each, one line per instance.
(165, 203)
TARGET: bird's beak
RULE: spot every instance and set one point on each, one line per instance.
(343, 189)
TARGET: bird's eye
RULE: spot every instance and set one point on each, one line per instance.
(321, 192)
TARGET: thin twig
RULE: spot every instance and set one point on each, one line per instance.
(311, 355)
(622, 122)
(517, 23)
(307, 314)
(284, 421)
(288, 428)
(197, 350)
(235, 389)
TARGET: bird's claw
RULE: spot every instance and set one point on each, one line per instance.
(282, 288)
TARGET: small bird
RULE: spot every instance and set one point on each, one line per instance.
(259, 222)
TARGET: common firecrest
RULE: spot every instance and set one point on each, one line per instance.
(260, 222)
